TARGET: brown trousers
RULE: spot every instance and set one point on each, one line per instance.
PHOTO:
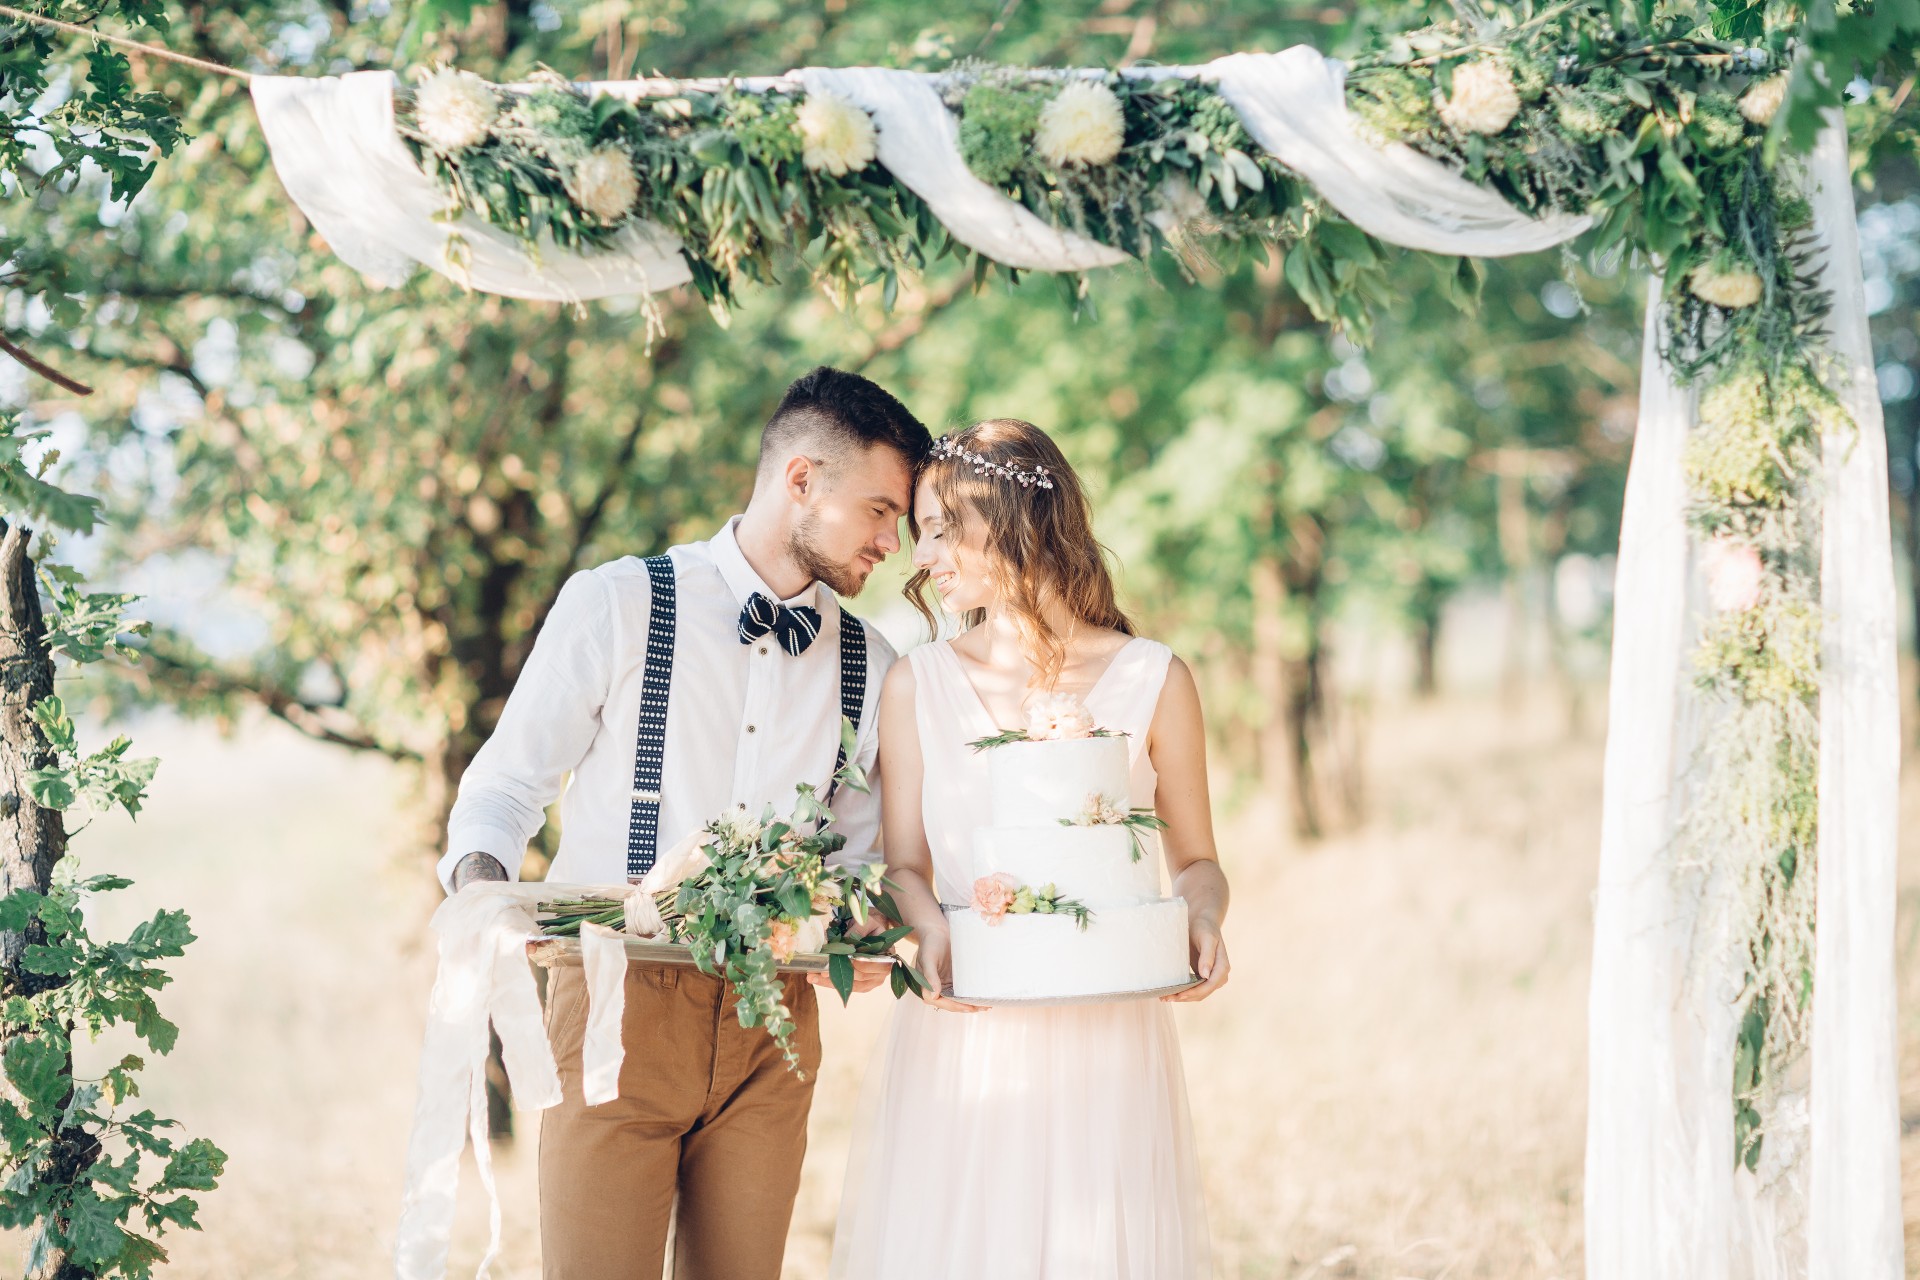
(707, 1112)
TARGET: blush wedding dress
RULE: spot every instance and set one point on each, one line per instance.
(1022, 1143)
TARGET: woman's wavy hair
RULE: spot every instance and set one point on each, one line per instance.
(1040, 543)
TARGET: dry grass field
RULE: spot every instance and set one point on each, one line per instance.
(1392, 1086)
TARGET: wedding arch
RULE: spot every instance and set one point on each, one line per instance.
(1743, 1116)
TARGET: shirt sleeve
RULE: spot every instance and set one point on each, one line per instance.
(856, 814)
(549, 721)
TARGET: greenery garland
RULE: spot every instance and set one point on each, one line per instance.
(1666, 136)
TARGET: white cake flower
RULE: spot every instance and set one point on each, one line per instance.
(1082, 125)
(1053, 716)
(1762, 101)
(454, 109)
(837, 136)
(1483, 99)
(605, 185)
(1730, 289)
(1099, 811)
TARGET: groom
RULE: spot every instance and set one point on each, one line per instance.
(673, 688)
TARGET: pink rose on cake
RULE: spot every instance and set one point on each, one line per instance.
(993, 895)
(1054, 716)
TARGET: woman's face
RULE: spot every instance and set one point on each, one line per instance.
(958, 566)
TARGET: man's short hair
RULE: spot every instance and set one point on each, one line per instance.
(837, 414)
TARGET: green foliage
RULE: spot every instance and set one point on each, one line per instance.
(25, 490)
(104, 1212)
(997, 121)
(94, 1185)
(758, 891)
(723, 171)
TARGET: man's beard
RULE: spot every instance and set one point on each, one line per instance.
(842, 579)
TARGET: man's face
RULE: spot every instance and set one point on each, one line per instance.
(852, 518)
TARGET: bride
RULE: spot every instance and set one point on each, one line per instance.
(1048, 1143)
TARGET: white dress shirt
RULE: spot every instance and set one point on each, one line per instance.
(746, 723)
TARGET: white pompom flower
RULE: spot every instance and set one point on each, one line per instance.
(1730, 289)
(605, 185)
(1082, 125)
(1483, 99)
(836, 136)
(1761, 102)
(454, 109)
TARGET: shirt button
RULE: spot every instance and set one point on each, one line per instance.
(749, 728)
(763, 648)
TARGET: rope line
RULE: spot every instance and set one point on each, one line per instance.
(152, 50)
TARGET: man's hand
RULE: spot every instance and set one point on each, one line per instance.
(476, 866)
(867, 974)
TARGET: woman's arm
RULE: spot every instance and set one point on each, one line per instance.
(1177, 745)
(904, 834)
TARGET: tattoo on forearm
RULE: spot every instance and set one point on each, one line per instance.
(476, 866)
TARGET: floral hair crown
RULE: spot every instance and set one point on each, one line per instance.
(947, 447)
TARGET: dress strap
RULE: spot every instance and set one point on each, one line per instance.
(1129, 691)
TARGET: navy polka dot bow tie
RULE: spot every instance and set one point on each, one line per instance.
(794, 627)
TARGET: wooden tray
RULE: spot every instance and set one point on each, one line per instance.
(564, 953)
(1044, 1002)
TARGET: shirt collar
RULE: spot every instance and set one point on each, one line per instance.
(742, 581)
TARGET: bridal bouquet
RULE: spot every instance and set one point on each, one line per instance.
(747, 894)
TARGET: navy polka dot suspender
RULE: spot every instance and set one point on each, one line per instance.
(656, 684)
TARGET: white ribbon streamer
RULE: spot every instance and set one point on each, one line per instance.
(484, 978)
(603, 953)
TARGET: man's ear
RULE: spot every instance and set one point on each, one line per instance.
(801, 476)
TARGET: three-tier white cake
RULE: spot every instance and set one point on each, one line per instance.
(1133, 938)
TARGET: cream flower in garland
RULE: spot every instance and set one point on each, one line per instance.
(1082, 125)
(1483, 99)
(454, 109)
(1760, 102)
(1730, 289)
(605, 185)
(837, 136)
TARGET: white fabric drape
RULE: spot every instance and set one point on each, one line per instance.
(335, 149)
(1854, 1220)
(1294, 104)
(1663, 1199)
(334, 145)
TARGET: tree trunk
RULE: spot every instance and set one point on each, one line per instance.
(32, 839)
(1516, 552)
(1428, 602)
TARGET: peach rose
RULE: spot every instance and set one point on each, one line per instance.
(781, 936)
(1734, 574)
(993, 894)
(1053, 716)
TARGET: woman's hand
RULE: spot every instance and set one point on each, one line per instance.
(935, 963)
(1209, 952)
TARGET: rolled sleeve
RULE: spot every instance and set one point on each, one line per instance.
(549, 721)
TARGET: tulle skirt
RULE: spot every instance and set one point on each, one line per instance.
(1024, 1144)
